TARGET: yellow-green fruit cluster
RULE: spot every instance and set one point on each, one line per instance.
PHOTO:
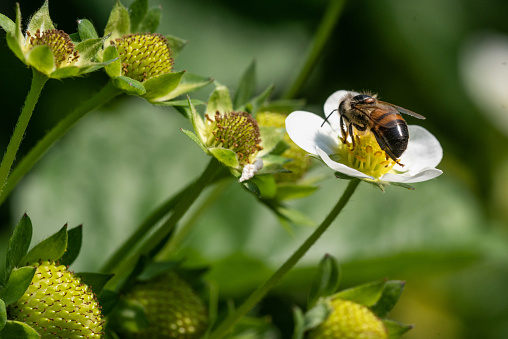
(300, 161)
(349, 320)
(58, 305)
(172, 308)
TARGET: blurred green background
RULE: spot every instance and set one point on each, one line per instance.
(448, 239)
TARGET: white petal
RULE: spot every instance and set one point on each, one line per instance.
(423, 151)
(250, 170)
(423, 175)
(305, 130)
(341, 167)
(332, 103)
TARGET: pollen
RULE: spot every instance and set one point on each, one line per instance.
(236, 131)
(144, 56)
(58, 41)
(366, 157)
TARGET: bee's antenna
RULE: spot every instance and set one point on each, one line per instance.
(326, 119)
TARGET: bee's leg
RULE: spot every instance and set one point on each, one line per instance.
(343, 138)
(352, 136)
(384, 147)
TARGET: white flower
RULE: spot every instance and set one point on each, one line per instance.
(367, 161)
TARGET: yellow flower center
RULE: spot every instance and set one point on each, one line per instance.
(366, 157)
(144, 56)
(59, 43)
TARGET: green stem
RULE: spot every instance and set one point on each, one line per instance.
(38, 82)
(143, 229)
(122, 269)
(254, 298)
(325, 29)
(185, 229)
(108, 92)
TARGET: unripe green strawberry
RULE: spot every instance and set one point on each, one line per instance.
(349, 320)
(173, 309)
(58, 305)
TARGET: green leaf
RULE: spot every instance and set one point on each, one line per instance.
(158, 88)
(390, 295)
(86, 30)
(396, 330)
(316, 315)
(7, 24)
(18, 330)
(195, 138)
(219, 101)
(114, 69)
(299, 320)
(151, 20)
(176, 44)
(137, 11)
(3, 314)
(50, 249)
(41, 57)
(327, 279)
(294, 191)
(128, 316)
(188, 83)
(95, 280)
(41, 20)
(366, 294)
(74, 240)
(225, 156)
(18, 245)
(271, 136)
(255, 104)
(119, 22)
(283, 106)
(129, 85)
(19, 280)
(246, 86)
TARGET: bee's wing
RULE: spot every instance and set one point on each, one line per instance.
(404, 110)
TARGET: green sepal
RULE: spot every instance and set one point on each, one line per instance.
(343, 176)
(16, 39)
(74, 240)
(246, 87)
(41, 58)
(96, 280)
(256, 103)
(219, 101)
(151, 20)
(294, 191)
(188, 83)
(19, 280)
(390, 295)
(316, 315)
(196, 121)
(89, 48)
(86, 30)
(108, 299)
(18, 330)
(195, 138)
(156, 268)
(294, 216)
(137, 9)
(160, 87)
(50, 249)
(3, 314)
(66, 72)
(18, 246)
(129, 85)
(403, 185)
(176, 44)
(181, 103)
(251, 186)
(119, 22)
(271, 136)
(114, 69)
(366, 294)
(266, 185)
(395, 329)
(226, 156)
(41, 20)
(327, 280)
(280, 148)
(272, 168)
(299, 320)
(7, 25)
(128, 316)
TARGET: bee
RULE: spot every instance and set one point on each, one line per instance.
(366, 113)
